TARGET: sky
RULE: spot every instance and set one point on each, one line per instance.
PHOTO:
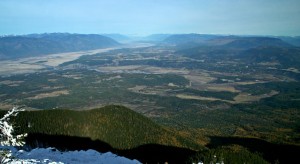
(145, 17)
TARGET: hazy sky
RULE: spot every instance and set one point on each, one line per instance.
(143, 17)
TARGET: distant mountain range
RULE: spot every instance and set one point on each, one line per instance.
(252, 42)
(252, 49)
(40, 44)
(194, 39)
(156, 37)
(118, 37)
(131, 38)
(231, 41)
(178, 39)
(291, 40)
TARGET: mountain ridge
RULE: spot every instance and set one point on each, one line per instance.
(118, 126)
(234, 41)
(12, 47)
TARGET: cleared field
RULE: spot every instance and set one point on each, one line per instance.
(119, 68)
(76, 77)
(160, 70)
(184, 96)
(239, 99)
(50, 94)
(246, 98)
(157, 90)
(269, 63)
(11, 83)
(17, 67)
(294, 70)
(250, 82)
(142, 69)
(199, 78)
(221, 87)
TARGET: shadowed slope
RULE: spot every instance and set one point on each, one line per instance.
(118, 126)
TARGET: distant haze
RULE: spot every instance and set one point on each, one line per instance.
(144, 17)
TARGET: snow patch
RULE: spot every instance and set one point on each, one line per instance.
(53, 156)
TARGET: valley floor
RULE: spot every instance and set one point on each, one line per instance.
(198, 98)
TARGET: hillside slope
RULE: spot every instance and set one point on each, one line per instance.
(231, 41)
(287, 57)
(118, 126)
(253, 42)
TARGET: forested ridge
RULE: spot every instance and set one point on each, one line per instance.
(122, 130)
(119, 126)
